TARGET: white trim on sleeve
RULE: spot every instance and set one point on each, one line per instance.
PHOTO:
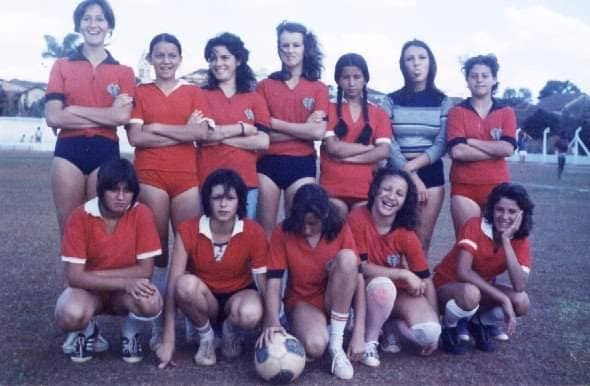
(73, 260)
(147, 255)
(383, 140)
(471, 243)
(259, 270)
(136, 121)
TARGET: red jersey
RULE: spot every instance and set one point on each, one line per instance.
(76, 82)
(153, 106)
(87, 241)
(224, 268)
(341, 179)
(463, 123)
(489, 260)
(247, 107)
(398, 249)
(293, 105)
(308, 276)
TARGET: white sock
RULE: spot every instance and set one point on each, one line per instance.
(453, 313)
(337, 326)
(205, 332)
(133, 325)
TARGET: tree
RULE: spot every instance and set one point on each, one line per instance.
(55, 49)
(553, 87)
(515, 97)
(536, 123)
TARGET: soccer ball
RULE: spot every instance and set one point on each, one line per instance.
(281, 361)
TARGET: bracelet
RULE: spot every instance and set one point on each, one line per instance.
(243, 128)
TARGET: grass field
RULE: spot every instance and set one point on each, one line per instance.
(551, 345)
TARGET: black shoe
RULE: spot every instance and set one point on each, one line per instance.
(82, 351)
(481, 334)
(450, 342)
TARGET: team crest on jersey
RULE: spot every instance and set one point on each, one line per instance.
(394, 260)
(113, 89)
(249, 114)
(308, 103)
(496, 133)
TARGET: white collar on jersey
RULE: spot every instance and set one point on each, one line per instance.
(92, 207)
(205, 227)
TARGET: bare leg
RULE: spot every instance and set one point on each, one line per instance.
(269, 196)
(428, 214)
(158, 200)
(310, 326)
(68, 185)
(462, 209)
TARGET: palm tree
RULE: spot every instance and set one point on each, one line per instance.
(55, 49)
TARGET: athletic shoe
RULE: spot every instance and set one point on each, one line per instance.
(100, 344)
(131, 350)
(231, 342)
(463, 330)
(450, 341)
(82, 349)
(390, 344)
(205, 355)
(371, 355)
(341, 366)
(481, 335)
(498, 332)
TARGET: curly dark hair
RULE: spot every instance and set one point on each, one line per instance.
(112, 173)
(406, 216)
(228, 179)
(312, 198)
(245, 78)
(341, 128)
(489, 60)
(312, 55)
(517, 193)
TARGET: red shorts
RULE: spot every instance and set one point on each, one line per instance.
(172, 183)
(475, 192)
(318, 301)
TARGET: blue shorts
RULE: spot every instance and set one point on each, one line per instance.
(284, 170)
(252, 202)
(432, 175)
(87, 153)
(222, 299)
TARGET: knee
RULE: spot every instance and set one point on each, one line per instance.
(249, 315)
(187, 288)
(70, 317)
(381, 290)
(469, 298)
(521, 303)
(150, 306)
(315, 345)
(426, 334)
(346, 262)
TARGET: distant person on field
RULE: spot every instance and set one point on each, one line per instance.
(473, 303)
(38, 135)
(561, 148)
(108, 252)
(522, 145)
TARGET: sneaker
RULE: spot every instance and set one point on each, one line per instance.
(131, 350)
(82, 351)
(341, 366)
(100, 344)
(231, 344)
(205, 355)
(371, 355)
(498, 332)
(463, 330)
(390, 344)
(450, 342)
(481, 335)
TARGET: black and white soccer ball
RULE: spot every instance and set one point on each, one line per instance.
(281, 361)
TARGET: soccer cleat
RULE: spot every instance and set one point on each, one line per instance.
(390, 344)
(481, 335)
(371, 355)
(498, 332)
(463, 330)
(341, 366)
(450, 342)
(205, 355)
(131, 350)
(82, 351)
(231, 342)
(99, 342)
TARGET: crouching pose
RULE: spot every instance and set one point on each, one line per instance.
(317, 248)
(108, 249)
(217, 293)
(401, 299)
(474, 304)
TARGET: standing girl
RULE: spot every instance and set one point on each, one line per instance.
(481, 134)
(358, 136)
(236, 110)
(298, 104)
(419, 114)
(88, 95)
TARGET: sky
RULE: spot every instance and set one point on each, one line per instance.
(534, 41)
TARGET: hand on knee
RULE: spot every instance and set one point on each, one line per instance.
(149, 306)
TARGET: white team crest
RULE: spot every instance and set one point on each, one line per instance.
(496, 133)
(249, 114)
(308, 103)
(393, 260)
(113, 89)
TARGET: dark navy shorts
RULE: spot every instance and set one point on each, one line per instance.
(87, 153)
(222, 299)
(284, 170)
(432, 175)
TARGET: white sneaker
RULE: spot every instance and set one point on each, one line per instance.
(100, 344)
(341, 366)
(390, 344)
(371, 355)
(205, 355)
(498, 332)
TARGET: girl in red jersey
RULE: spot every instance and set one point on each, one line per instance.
(400, 293)
(221, 251)
(108, 249)
(88, 95)
(317, 248)
(236, 109)
(466, 278)
(298, 104)
(481, 134)
(358, 136)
